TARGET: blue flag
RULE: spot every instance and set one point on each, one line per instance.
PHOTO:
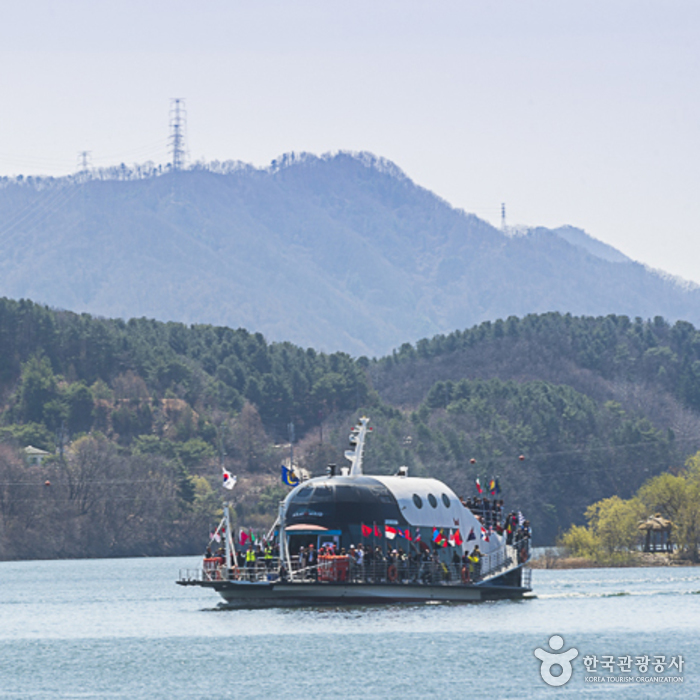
(289, 477)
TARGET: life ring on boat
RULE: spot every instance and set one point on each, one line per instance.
(392, 573)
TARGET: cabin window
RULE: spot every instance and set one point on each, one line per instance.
(445, 500)
(323, 493)
(417, 500)
(432, 500)
(304, 494)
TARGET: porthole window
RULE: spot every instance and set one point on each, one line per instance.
(432, 500)
(445, 500)
(417, 500)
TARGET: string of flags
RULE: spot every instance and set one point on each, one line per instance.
(453, 537)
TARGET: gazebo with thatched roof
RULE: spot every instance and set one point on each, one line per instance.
(658, 533)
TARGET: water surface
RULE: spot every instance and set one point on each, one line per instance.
(121, 628)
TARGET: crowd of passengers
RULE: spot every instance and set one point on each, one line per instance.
(489, 512)
(371, 564)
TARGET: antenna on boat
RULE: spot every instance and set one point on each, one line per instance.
(357, 440)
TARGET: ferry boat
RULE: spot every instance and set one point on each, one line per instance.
(420, 544)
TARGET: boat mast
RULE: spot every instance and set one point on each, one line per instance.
(357, 440)
(227, 538)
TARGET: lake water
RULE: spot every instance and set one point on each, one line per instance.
(121, 628)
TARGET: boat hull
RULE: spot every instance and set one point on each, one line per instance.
(264, 594)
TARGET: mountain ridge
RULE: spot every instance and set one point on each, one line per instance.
(339, 252)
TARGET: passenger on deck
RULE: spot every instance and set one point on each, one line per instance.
(360, 558)
(250, 562)
(456, 561)
(466, 568)
(311, 561)
(475, 560)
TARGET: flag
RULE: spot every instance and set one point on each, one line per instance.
(458, 538)
(289, 477)
(439, 538)
(400, 533)
(471, 535)
(407, 535)
(492, 487)
(484, 534)
(377, 531)
(215, 536)
(229, 481)
(417, 537)
(390, 532)
(366, 530)
(478, 486)
(244, 538)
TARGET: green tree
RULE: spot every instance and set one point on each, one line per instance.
(677, 497)
(37, 389)
(614, 523)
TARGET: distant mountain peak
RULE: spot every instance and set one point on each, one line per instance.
(585, 241)
(365, 158)
(341, 251)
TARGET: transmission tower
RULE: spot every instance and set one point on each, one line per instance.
(178, 125)
(84, 163)
(503, 217)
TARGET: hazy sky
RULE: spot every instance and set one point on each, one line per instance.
(584, 113)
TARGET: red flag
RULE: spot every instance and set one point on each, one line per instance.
(408, 535)
(390, 532)
(377, 531)
(244, 538)
(478, 486)
(366, 530)
(458, 538)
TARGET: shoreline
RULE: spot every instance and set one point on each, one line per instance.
(637, 560)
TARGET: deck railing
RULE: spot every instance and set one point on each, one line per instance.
(344, 569)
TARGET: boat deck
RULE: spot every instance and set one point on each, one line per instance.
(339, 579)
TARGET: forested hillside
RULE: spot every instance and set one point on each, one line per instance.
(342, 252)
(138, 416)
